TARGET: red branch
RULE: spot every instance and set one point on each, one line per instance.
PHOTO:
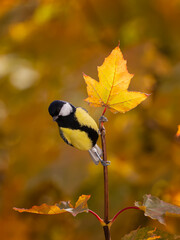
(122, 210)
(96, 215)
(104, 111)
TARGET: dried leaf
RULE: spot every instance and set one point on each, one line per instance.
(80, 206)
(148, 233)
(157, 209)
(111, 90)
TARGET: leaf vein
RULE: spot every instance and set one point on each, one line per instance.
(112, 81)
(96, 92)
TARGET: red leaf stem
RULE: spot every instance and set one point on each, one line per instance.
(122, 210)
(104, 111)
(96, 215)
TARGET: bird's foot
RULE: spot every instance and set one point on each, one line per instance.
(105, 163)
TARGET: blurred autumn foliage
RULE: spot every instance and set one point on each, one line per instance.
(45, 46)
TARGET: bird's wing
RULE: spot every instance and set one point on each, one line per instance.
(85, 119)
(84, 109)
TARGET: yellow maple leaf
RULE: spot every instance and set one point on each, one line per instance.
(111, 90)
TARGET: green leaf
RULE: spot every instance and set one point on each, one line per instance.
(149, 233)
(157, 209)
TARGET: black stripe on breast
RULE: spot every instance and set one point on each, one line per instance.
(92, 134)
(71, 122)
(68, 122)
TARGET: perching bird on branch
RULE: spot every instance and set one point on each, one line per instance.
(77, 128)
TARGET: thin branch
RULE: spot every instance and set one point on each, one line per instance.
(122, 210)
(107, 232)
(105, 173)
(96, 215)
(104, 111)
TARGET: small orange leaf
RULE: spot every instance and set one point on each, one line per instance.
(80, 206)
(111, 90)
(155, 237)
(178, 131)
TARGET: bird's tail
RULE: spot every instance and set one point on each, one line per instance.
(96, 154)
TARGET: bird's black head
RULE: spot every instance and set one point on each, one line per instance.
(60, 108)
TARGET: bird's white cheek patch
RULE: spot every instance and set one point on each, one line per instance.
(66, 109)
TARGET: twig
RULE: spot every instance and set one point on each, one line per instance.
(104, 111)
(105, 172)
(96, 215)
(122, 210)
(107, 232)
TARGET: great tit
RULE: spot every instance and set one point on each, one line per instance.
(77, 128)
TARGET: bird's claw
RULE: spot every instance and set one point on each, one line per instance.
(105, 163)
(103, 119)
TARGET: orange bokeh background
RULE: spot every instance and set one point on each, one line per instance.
(45, 46)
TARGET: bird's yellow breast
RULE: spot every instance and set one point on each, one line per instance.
(85, 119)
(77, 138)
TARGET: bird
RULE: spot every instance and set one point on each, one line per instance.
(77, 128)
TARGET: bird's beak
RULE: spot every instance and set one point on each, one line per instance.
(55, 118)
